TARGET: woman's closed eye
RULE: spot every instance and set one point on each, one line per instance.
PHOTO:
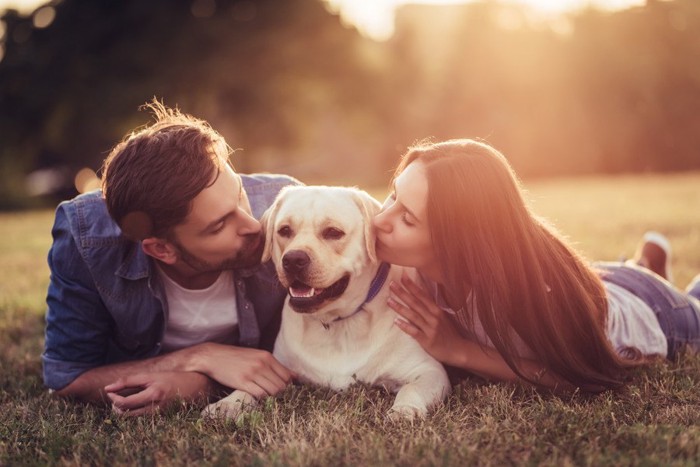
(405, 218)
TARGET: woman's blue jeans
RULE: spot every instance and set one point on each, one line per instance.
(678, 312)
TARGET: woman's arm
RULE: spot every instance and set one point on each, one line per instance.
(438, 333)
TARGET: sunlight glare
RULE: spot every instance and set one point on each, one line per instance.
(375, 18)
(23, 6)
(560, 6)
(372, 18)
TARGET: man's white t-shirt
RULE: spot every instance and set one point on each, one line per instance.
(202, 315)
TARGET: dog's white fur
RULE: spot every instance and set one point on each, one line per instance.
(334, 345)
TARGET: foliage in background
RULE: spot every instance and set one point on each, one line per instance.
(300, 93)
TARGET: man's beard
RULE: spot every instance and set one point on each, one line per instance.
(247, 256)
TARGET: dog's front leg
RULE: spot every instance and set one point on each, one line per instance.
(426, 389)
(230, 406)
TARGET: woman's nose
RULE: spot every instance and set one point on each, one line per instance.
(380, 222)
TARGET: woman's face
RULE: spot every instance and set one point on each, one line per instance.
(401, 227)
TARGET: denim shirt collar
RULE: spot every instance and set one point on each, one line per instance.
(136, 265)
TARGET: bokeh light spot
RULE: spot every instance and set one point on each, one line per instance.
(137, 225)
(43, 17)
(86, 180)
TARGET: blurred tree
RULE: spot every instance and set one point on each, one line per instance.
(276, 77)
(590, 92)
(302, 94)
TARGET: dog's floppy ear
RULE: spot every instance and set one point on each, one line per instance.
(267, 222)
(369, 207)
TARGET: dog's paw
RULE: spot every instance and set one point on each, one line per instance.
(407, 413)
(230, 407)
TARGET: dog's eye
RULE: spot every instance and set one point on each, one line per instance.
(331, 233)
(285, 231)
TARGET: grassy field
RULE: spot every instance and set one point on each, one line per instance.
(655, 420)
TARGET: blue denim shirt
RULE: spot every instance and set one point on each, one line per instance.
(106, 304)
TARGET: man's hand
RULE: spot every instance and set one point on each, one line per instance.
(254, 371)
(154, 382)
(147, 392)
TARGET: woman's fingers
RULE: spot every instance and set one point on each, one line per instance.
(419, 294)
(412, 315)
(407, 327)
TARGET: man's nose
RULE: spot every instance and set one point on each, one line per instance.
(249, 224)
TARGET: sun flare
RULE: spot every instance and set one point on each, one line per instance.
(375, 18)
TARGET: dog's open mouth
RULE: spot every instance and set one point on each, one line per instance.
(303, 297)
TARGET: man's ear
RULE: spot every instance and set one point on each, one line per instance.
(160, 249)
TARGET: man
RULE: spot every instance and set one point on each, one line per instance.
(156, 290)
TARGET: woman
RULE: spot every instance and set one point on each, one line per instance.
(504, 296)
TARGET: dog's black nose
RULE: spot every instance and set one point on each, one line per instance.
(295, 261)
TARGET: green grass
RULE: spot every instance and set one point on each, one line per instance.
(653, 421)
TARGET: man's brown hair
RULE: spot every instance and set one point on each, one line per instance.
(150, 178)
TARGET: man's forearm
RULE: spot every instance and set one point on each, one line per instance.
(89, 386)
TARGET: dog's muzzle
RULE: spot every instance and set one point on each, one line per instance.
(295, 262)
(304, 298)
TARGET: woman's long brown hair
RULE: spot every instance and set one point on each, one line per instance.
(522, 276)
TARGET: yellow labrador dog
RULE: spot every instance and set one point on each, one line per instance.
(336, 326)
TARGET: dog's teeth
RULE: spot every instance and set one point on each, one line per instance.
(302, 293)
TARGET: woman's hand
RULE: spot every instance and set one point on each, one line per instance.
(438, 333)
(434, 329)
